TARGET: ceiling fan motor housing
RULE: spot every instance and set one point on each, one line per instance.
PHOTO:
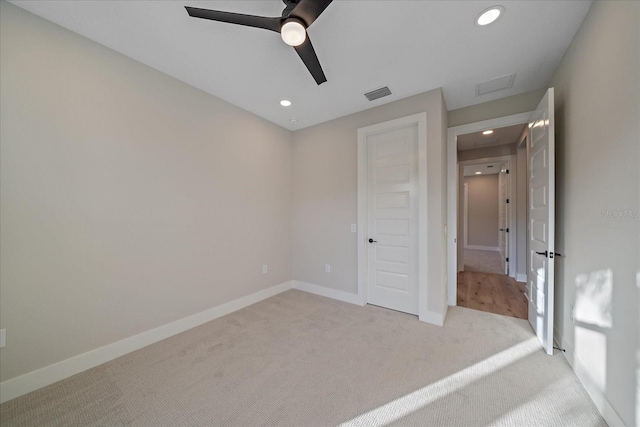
(290, 4)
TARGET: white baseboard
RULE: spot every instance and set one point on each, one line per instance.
(483, 248)
(595, 393)
(433, 318)
(429, 317)
(327, 292)
(34, 380)
(521, 277)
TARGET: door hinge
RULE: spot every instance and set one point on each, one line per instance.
(507, 259)
(507, 230)
(507, 171)
(507, 200)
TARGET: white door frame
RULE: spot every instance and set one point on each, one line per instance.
(452, 188)
(420, 120)
(465, 220)
(509, 254)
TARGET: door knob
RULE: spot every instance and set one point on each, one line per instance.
(373, 241)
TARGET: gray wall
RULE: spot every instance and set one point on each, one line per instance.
(598, 179)
(515, 104)
(482, 210)
(325, 196)
(129, 199)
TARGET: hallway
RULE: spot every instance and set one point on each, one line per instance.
(493, 293)
(483, 261)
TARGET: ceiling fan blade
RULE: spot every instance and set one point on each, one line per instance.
(267, 23)
(309, 10)
(310, 59)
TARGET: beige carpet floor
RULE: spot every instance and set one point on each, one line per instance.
(298, 359)
(483, 261)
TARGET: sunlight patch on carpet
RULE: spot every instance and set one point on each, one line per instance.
(411, 402)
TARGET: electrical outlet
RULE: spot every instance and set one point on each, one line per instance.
(354, 228)
(3, 338)
(265, 269)
(327, 268)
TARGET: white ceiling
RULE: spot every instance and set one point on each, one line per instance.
(410, 46)
(501, 136)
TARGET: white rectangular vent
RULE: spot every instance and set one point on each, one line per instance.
(378, 93)
(500, 83)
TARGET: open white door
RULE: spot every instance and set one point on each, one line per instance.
(540, 279)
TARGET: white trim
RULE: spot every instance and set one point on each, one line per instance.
(433, 318)
(34, 380)
(452, 187)
(421, 120)
(593, 390)
(466, 214)
(513, 215)
(521, 277)
(483, 248)
(506, 158)
(327, 292)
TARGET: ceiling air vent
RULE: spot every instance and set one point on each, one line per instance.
(500, 83)
(378, 93)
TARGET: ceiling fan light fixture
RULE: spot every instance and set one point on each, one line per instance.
(293, 32)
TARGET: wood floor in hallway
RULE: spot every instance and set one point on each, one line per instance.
(493, 293)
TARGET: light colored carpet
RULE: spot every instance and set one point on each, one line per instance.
(483, 261)
(298, 359)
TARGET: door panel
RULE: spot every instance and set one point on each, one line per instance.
(540, 276)
(392, 174)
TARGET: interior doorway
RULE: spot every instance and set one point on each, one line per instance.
(485, 215)
(539, 207)
(488, 221)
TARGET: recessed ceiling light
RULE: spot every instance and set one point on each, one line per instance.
(489, 15)
(285, 103)
(478, 173)
(487, 132)
(294, 121)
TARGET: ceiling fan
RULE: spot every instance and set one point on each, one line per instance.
(297, 16)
